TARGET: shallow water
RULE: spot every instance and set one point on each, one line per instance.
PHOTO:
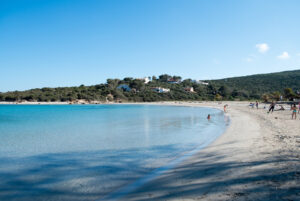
(85, 152)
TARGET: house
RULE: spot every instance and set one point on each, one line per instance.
(124, 87)
(174, 81)
(189, 89)
(160, 90)
(146, 80)
(204, 83)
(200, 82)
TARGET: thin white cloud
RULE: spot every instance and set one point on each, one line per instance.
(262, 47)
(298, 54)
(284, 55)
(250, 58)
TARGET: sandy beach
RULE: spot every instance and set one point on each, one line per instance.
(107, 100)
(257, 158)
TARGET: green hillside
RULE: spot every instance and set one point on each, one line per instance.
(271, 86)
(262, 83)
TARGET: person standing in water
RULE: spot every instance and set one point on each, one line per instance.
(208, 117)
(256, 104)
(294, 111)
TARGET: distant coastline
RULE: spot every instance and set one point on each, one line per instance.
(283, 86)
(80, 102)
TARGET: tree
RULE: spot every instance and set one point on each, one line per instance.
(128, 79)
(265, 97)
(276, 95)
(118, 94)
(187, 82)
(218, 97)
(224, 91)
(137, 84)
(212, 89)
(164, 78)
(10, 98)
(112, 83)
(289, 94)
(177, 78)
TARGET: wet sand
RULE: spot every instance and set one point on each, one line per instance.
(257, 158)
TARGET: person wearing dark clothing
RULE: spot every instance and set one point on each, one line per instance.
(272, 107)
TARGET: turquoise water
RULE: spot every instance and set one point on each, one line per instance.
(85, 152)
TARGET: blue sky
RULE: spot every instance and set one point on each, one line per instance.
(51, 43)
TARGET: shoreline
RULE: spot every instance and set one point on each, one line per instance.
(152, 176)
(180, 154)
(256, 158)
(250, 161)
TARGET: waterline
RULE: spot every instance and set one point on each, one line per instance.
(103, 149)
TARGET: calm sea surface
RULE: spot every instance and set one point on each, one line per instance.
(85, 152)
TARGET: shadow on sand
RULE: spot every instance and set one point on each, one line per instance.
(210, 178)
(77, 176)
(84, 176)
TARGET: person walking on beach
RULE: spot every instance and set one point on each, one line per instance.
(225, 107)
(256, 104)
(299, 108)
(294, 113)
(272, 107)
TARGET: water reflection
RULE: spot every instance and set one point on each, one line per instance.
(85, 152)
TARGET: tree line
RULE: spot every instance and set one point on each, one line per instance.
(278, 86)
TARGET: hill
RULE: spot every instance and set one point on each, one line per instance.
(260, 84)
(171, 88)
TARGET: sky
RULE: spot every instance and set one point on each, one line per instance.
(54, 43)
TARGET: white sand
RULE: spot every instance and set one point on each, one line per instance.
(258, 158)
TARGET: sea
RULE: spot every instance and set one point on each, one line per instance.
(94, 152)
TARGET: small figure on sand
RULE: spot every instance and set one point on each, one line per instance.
(225, 107)
(294, 113)
(299, 108)
(208, 117)
(281, 107)
(256, 104)
(272, 107)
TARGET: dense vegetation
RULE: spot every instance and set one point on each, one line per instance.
(266, 86)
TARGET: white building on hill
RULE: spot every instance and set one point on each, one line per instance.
(200, 82)
(146, 80)
(189, 89)
(160, 90)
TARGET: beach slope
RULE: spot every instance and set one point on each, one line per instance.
(257, 158)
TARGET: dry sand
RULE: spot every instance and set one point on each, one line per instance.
(257, 158)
